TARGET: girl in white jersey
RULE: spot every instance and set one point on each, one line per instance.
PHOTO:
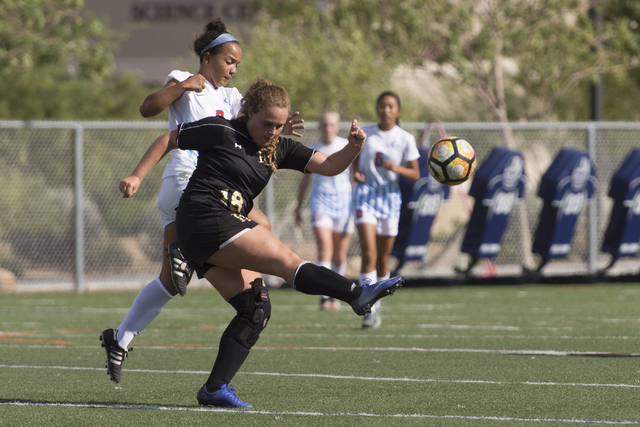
(330, 205)
(189, 97)
(390, 152)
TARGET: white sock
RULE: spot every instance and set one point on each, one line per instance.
(325, 264)
(385, 277)
(145, 308)
(372, 276)
(340, 269)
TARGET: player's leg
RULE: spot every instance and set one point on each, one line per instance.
(341, 236)
(368, 249)
(386, 232)
(259, 250)
(180, 270)
(384, 245)
(244, 290)
(258, 216)
(145, 308)
(366, 225)
(320, 225)
(153, 296)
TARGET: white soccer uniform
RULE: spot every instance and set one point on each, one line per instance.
(379, 197)
(330, 198)
(190, 107)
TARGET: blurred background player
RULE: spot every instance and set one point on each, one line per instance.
(390, 151)
(189, 97)
(330, 205)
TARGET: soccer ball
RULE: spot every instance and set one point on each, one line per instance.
(451, 160)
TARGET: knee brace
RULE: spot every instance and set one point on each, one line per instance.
(253, 312)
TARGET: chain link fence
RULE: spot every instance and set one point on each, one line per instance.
(63, 218)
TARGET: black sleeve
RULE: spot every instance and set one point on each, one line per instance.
(203, 134)
(293, 155)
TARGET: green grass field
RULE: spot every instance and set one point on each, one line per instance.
(476, 356)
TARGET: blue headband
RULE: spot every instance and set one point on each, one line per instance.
(222, 38)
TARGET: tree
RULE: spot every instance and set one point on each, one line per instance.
(499, 49)
(59, 62)
(533, 51)
(322, 64)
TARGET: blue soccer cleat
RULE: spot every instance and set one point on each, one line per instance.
(372, 293)
(226, 396)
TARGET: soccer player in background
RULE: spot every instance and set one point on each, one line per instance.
(330, 205)
(390, 152)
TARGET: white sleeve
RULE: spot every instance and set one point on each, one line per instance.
(177, 75)
(411, 149)
(235, 101)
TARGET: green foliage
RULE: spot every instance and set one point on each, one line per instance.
(57, 62)
(36, 33)
(322, 66)
(534, 51)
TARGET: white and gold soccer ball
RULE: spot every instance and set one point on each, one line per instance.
(451, 160)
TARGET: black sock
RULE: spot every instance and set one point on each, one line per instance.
(314, 280)
(231, 353)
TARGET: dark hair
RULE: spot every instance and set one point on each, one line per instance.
(211, 31)
(392, 94)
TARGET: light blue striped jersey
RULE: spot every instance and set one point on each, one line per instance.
(380, 194)
(331, 195)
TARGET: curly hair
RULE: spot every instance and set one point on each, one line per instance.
(211, 31)
(261, 95)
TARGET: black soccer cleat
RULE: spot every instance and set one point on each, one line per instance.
(115, 354)
(372, 293)
(181, 271)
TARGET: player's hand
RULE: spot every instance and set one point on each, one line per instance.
(292, 125)
(388, 164)
(129, 186)
(194, 83)
(357, 136)
(359, 177)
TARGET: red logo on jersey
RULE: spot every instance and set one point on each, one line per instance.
(358, 213)
(219, 113)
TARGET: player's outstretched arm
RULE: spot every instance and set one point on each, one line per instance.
(336, 163)
(155, 103)
(160, 147)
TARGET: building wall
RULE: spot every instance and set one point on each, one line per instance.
(158, 34)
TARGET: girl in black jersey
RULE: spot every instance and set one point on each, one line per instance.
(236, 161)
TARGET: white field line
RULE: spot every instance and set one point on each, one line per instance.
(318, 414)
(149, 331)
(342, 348)
(338, 377)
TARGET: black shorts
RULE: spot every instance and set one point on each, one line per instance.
(203, 230)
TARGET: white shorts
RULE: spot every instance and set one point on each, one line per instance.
(337, 225)
(384, 226)
(169, 197)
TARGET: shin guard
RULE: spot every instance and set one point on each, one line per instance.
(253, 310)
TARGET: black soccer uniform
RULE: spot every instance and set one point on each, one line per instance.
(231, 172)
